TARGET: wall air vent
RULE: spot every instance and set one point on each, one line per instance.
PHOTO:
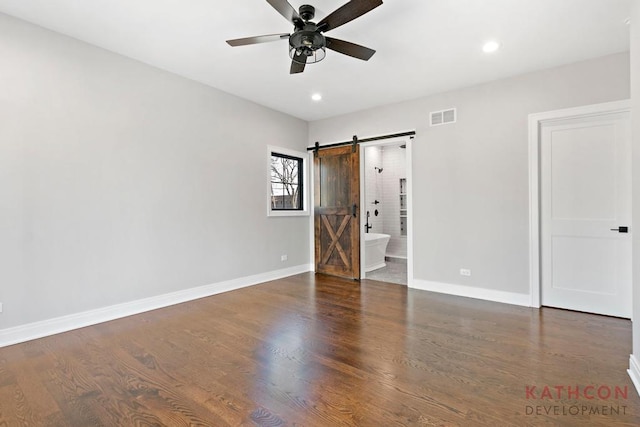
(443, 117)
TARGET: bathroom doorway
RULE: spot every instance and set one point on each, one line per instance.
(385, 208)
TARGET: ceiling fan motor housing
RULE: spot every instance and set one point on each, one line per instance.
(307, 12)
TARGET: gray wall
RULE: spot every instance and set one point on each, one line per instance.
(470, 179)
(635, 100)
(119, 181)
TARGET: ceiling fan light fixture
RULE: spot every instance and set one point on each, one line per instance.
(311, 54)
(307, 43)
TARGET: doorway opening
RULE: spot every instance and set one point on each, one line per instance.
(385, 192)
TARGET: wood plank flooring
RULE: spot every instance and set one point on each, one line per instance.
(321, 351)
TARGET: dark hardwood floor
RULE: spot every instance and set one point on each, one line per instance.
(320, 351)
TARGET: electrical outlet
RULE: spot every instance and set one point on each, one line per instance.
(0, 307)
(283, 258)
(465, 272)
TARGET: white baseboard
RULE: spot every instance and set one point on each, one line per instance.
(634, 371)
(70, 322)
(471, 292)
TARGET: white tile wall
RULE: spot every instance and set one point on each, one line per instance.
(394, 168)
(385, 187)
(373, 188)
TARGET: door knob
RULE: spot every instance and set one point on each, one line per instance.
(621, 229)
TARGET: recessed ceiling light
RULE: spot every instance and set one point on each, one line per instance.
(491, 46)
(316, 97)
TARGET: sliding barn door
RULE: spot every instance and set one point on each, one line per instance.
(337, 215)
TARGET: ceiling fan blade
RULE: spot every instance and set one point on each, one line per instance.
(285, 9)
(257, 39)
(349, 48)
(296, 67)
(347, 12)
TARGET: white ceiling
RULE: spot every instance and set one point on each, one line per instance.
(423, 46)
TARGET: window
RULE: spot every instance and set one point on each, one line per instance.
(286, 182)
(287, 171)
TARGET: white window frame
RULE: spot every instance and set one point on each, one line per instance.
(305, 182)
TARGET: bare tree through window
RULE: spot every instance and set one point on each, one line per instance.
(286, 182)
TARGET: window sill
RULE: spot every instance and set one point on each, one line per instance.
(287, 213)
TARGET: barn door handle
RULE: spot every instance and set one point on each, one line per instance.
(354, 210)
(621, 229)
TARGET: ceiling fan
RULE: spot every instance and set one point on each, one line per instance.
(307, 44)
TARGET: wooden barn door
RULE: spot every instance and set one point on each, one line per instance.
(336, 211)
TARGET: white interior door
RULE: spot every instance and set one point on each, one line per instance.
(585, 199)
